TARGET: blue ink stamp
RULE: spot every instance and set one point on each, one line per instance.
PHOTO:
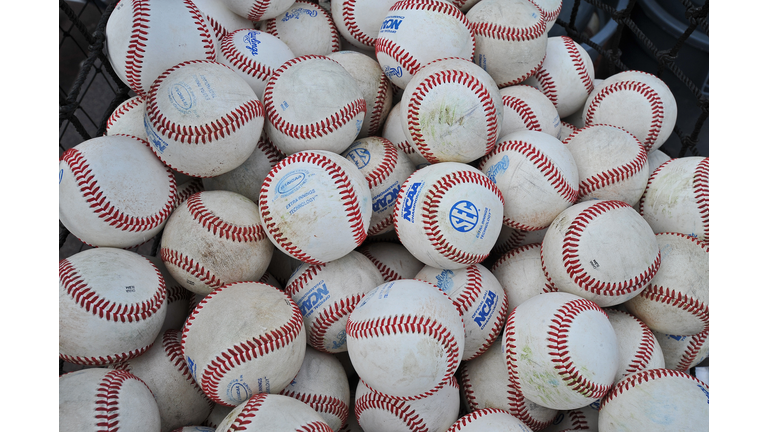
(391, 24)
(360, 156)
(486, 309)
(182, 96)
(409, 200)
(153, 137)
(192, 367)
(61, 174)
(314, 298)
(263, 384)
(296, 13)
(445, 281)
(341, 340)
(498, 168)
(385, 200)
(292, 181)
(464, 216)
(252, 42)
(393, 71)
(238, 390)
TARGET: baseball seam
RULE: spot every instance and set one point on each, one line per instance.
(249, 411)
(517, 406)
(697, 341)
(471, 290)
(242, 63)
(578, 62)
(467, 419)
(190, 266)
(651, 178)
(122, 110)
(190, 188)
(258, 8)
(349, 19)
(644, 351)
(546, 84)
(385, 88)
(321, 403)
(663, 295)
(513, 253)
(701, 193)
(399, 408)
(524, 111)
(388, 274)
(507, 33)
(107, 403)
(221, 228)
(644, 377)
(331, 315)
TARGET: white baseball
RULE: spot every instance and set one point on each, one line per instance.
(111, 306)
(676, 198)
(94, 203)
(405, 339)
(489, 419)
(578, 419)
(255, 56)
(655, 159)
(454, 111)
(376, 412)
(322, 384)
(202, 118)
(682, 353)
(566, 76)
(258, 10)
(128, 119)
(187, 189)
(600, 250)
(677, 299)
(537, 176)
(658, 399)
(611, 162)
(97, 399)
(315, 206)
(271, 412)
(215, 238)
(242, 339)
(306, 28)
(327, 293)
(313, 103)
(550, 10)
(358, 21)
(394, 132)
(449, 215)
(417, 32)
(221, 19)
(637, 101)
(392, 260)
(479, 297)
(511, 39)
(485, 384)
(527, 108)
(376, 87)
(638, 348)
(163, 369)
(561, 350)
(521, 275)
(386, 168)
(141, 45)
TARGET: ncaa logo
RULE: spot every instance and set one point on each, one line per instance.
(464, 216)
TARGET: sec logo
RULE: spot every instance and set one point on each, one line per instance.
(464, 216)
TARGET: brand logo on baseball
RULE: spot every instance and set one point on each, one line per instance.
(181, 96)
(360, 156)
(297, 12)
(153, 137)
(498, 168)
(385, 200)
(341, 340)
(391, 24)
(316, 296)
(486, 309)
(291, 181)
(409, 201)
(238, 390)
(251, 42)
(445, 280)
(393, 71)
(464, 216)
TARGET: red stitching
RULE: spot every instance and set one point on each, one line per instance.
(644, 377)
(694, 347)
(498, 324)
(318, 129)
(466, 386)
(657, 106)
(432, 200)
(467, 419)
(189, 188)
(613, 175)
(399, 408)
(102, 206)
(546, 84)
(443, 77)
(107, 403)
(559, 330)
(258, 9)
(518, 408)
(572, 260)
(208, 40)
(221, 228)
(253, 68)
(376, 229)
(524, 77)
(522, 109)
(387, 165)
(350, 22)
(385, 88)
(506, 33)
(123, 109)
(177, 292)
(247, 350)
(249, 411)
(552, 15)
(137, 44)
(578, 63)
(701, 193)
(388, 274)
(321, 403)
(513, 253)
(105, 360)
(669, 296)
(578, 420)
(335, 40)
(407, 324)
(187, 264)
(84, 295)
(544, 164)
(329, 316)
(400, 55)
(644, 352)
(653, 176)
(345, 190)
(216, 129)
(173, 349)
(471, 290)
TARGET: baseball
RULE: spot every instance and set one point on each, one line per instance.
(94, 204)
(489, 419)
(313, 103)
(128, 119)
(215, 238)
(638, 348)
(449, 215)
(271, 412)
(394, 132)
(682, 353)
(454, 111)
(111, 306)
(600, 250)
(405, 339)
(221, 19)
(393, 260)
(521, 275)
(527, 108)
(258, 10)
(315, 206)
(242, 339)
(306, 28)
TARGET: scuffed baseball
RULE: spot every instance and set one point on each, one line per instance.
(306, 28)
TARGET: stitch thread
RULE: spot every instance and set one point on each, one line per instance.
(321, 403)
(221, 228)
(188, 265)
(522, 109)
(107, 403)
(641, 378)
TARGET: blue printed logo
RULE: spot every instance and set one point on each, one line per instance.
(181, 96)
(153, 137)
(706, 392)
(464, 216)
(315, 297)
(595, 405)
(393, 71)
(486, 309)
(238, 390)
(297, 12)
(291, 181)
(61, 174)
(386, 199)
(445, 280)
(341, 339)
(409, 200)
(391, 25)
(360, 156)
(192, 367)
(498, 168)
(251, 42)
